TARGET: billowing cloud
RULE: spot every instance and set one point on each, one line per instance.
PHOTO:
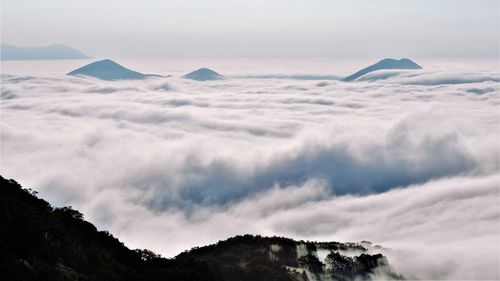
(410, 161)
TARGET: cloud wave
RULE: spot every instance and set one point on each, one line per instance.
(410, 161)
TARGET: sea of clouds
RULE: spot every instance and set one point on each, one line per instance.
(405, 159)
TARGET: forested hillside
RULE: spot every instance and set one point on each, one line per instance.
(40, 242)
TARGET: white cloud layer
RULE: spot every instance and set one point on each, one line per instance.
(409, 160)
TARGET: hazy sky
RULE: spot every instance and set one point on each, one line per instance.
(412, 28)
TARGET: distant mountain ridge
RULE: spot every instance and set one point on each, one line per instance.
(40, 242)
(51, 52)
(384, 64)
(109, 70)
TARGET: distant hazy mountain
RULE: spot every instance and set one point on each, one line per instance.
(52, 52)
(108, 70)
(384, 64)
(41, 242)
(204, 74)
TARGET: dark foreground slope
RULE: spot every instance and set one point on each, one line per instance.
(39, 242)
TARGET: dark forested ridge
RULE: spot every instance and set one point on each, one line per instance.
(40, 242)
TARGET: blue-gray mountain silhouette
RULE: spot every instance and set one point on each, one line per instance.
(108, 70)
(203, 74)
(384, 64)
(52, 52)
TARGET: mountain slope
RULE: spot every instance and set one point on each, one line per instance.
(203, 74)
(108, 70)
(52, 52)
(384, 64)
(39, 242)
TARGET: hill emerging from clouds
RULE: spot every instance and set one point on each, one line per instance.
(40, 242)
(52, 52)
(384, 64)
(203, 74)
(108, 70)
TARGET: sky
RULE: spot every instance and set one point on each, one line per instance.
(261, 28)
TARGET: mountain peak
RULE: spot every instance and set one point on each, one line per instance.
(203, 74)
(387, 63)
(107, 69)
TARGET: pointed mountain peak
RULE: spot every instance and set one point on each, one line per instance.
(107, 70)
(203, 74)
